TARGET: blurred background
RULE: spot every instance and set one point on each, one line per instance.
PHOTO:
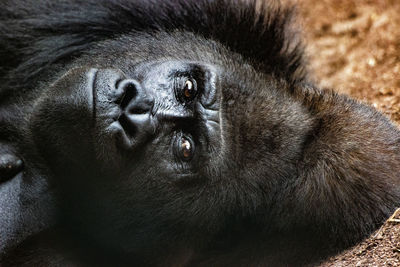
(354, 47)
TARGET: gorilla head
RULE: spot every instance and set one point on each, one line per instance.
(186, 133)
(166, 144)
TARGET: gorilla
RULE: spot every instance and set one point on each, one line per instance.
(179, 133)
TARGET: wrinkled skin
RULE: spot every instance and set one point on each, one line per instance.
(174, 148)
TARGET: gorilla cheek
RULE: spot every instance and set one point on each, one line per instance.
(62, 120)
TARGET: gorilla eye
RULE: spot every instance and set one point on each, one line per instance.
(186, 148)
(187, 90)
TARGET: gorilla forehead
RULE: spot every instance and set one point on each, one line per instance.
(127, 51)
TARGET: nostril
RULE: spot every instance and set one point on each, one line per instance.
(134, 99)
(138, 110)
(130, 92)
(129, 127)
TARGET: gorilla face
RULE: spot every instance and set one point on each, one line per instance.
(158, 108)
(153, 129)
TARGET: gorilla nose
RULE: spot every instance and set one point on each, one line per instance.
(136, 106)
(135, 99)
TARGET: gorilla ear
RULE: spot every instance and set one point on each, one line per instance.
(10, 164)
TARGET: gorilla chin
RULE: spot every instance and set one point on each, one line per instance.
(179, 133)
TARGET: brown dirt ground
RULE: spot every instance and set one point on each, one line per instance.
(381, 249)
(354, 47)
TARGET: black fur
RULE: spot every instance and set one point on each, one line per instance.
(39, 34)
(296, 174)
